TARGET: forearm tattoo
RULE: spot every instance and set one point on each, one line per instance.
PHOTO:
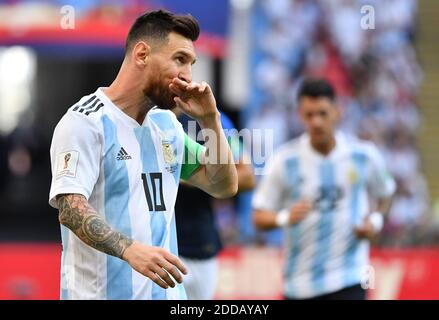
(76, 214)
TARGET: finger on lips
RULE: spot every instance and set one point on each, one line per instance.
(192, 86)
(175, 89)
(181, 83)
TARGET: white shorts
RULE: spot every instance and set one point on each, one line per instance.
(200, 282)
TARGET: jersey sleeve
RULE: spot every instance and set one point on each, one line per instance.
(191, 157)
(271, 188)
(75, 155)
(381, 184)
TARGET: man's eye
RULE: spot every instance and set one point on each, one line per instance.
(180, 59)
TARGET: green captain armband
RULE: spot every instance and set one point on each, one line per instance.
(191, 157)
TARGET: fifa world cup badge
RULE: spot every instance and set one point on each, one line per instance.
(66, 160)
(67, 164)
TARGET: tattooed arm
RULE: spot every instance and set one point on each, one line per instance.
(156, 263)
(76, 214)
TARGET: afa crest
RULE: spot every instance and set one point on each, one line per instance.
(168, 153)
(353, 175)
(169, 145)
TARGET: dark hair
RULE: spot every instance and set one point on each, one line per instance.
(157, 25)
(316, 88)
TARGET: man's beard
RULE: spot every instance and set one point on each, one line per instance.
(163, 99)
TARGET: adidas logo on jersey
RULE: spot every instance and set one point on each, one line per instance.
(123, 155)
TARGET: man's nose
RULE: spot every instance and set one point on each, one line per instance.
(316, 122)
(186, 74)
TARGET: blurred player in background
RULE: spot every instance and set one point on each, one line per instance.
(117, 159)
(198, 238)
(317, 188)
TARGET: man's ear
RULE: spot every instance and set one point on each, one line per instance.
(141, 53)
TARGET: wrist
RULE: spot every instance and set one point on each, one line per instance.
(210, 120)
(126, 254)
(283, 218)
(377, 220)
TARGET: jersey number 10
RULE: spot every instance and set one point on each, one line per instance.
(157, 184)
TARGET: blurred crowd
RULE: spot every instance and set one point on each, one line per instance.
(367, 50)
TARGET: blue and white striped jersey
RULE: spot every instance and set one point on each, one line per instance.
(322, 253)
(130, 174)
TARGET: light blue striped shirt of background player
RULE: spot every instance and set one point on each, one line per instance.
(322, 253)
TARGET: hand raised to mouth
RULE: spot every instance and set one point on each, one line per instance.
(194, 99)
